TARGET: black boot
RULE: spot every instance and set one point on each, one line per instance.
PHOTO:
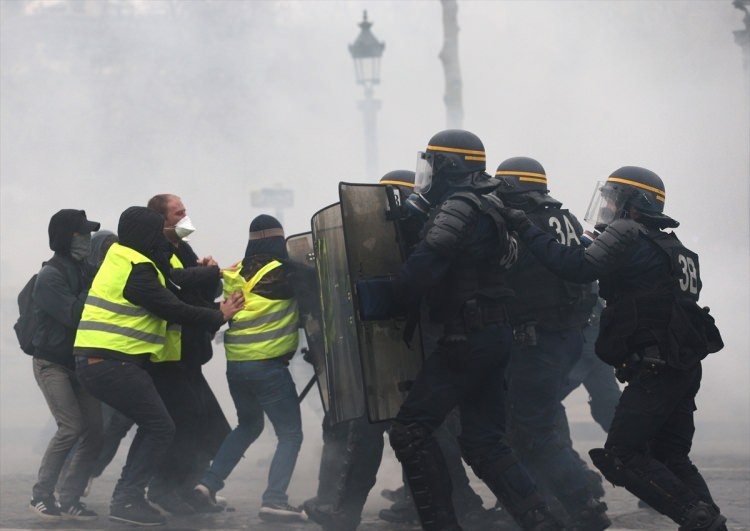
(703, 517)
(592, 516)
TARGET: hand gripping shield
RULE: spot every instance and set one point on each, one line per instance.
(375, 249)
(300, 250)
(342, 371)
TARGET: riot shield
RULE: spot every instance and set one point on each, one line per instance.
(374, 249)
(343, 369)
(300, 250)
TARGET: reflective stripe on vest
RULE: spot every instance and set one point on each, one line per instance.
(264, 328)
(173, 341)
(109, 320)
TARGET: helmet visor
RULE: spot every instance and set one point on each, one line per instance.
(423, 174)
(606, 204)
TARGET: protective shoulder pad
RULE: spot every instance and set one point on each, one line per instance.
(612, 245)
(452, 222)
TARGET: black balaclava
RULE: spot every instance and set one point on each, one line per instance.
(266, 237)
(63, 224)
(142, 229)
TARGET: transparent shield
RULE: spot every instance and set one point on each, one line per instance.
(606, 204)
(300, 250)
(339, 329)
(373, 248)
(423, 174)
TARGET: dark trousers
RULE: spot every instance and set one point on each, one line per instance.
(351, 456)
(537, 375)
(130, 390)
(200, 427)
(469, 375)
(172, 382)
(652, 434)
(116, 427)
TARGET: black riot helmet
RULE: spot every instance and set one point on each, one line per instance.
(454, 158)
(401, 179)
(523, 184)
(630, 187)
(521, 174)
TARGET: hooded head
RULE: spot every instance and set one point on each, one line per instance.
(266, 237)
(142, 229)
(64, 224)
(100, 244)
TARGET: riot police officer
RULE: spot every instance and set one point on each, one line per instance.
(352, 449)
(652, 331)
(547, 315)
(460, 265)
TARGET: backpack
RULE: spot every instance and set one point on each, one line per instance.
(28, 320)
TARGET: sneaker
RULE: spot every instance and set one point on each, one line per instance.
(281, 512)
(171, 502)
(202, 500)
(45, 508)
(221, 501)
(77, 511)
(137, 512)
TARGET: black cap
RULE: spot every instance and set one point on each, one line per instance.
(64, 223)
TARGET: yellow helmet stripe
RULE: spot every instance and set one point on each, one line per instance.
(638, 185)
(525, 173)
(532, 180)
(458, 150)
(471, 157)
(398, 183)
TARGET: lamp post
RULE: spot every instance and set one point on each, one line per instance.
(366, 52)
(742, 38)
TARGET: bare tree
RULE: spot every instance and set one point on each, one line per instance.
(451, 67)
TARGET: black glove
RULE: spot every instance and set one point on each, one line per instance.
(516, 219)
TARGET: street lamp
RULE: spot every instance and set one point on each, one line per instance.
(366, 52)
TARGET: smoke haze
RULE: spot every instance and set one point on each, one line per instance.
(104, 104)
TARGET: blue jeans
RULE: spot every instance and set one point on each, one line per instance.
(258, 387)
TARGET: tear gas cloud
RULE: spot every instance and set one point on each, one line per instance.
(105, 104)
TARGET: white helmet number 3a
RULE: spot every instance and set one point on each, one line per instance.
(688, 274)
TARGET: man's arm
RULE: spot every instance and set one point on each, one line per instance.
(143, 289)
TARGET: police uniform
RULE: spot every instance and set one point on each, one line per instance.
(653, 332)
(547, 314)
(460, 266)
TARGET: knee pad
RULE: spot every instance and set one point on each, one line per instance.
(406, 440)
(610, 465)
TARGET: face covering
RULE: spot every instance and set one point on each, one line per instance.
(184, 228)
(80, 246)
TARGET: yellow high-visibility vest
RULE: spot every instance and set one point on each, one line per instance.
(264, 328)
(173, 341)
(109, 320)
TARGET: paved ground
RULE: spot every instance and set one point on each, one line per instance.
(727, 475)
